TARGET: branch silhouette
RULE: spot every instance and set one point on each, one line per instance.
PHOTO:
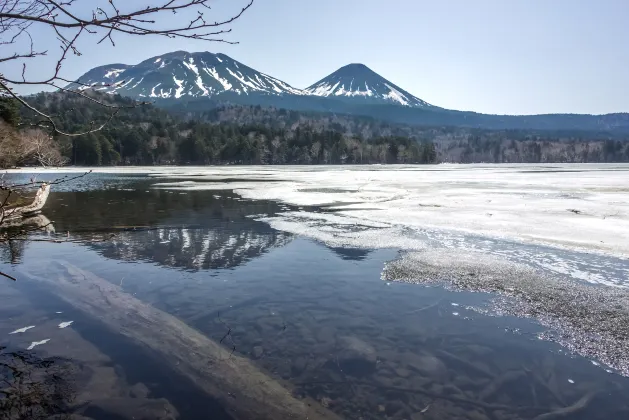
(103, 21)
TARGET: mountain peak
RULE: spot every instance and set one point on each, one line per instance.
(189, 75)
(356, 81)
(182, 74)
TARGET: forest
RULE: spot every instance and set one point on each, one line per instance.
(143, 134)
(146, 135)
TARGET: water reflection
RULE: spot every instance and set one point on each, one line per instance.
(193, 249)
(194, 231)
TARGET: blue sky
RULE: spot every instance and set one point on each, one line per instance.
(492, 56)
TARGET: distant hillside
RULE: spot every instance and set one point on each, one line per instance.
(453, 144)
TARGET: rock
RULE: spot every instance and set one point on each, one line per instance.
(428, 365)
(139, 390)
(136, 408)
(394, 407)
(257, 352)
(356, 357)
(402, 372)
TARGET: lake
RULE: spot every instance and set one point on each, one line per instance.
(235, 293)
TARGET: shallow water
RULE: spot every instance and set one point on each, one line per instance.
(317, 319)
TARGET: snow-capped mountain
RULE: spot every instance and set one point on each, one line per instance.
(182, 74)
(358, 81)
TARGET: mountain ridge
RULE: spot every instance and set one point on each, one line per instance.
(180, 74)
(203, 80)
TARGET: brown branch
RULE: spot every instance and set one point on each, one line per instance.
(17, 16)
(7, 276)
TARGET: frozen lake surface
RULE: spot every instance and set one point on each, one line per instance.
(584, 207)
(574, 207)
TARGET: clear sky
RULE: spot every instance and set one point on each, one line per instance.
(492, 56)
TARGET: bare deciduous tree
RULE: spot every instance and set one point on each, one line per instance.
(29, 146)
(100, 22)
(43, 149)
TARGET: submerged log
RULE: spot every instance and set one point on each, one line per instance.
(234, 381)
(35, 207)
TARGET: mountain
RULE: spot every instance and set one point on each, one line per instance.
(197, 82)
(183, 75)
(359, 82)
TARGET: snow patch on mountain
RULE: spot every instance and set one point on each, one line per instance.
(212, 72)
(359, 83)
(114, 73)
(180, 87)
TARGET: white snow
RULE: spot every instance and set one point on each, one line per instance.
(260, 85)
(191, 66)
(157, 61)
(153, 94)
(120, 85)
(242, 80)
(136, 85)
(112, 74)
(323, 89)
(396, 95)
(283, 85)
(219, 60)
(201, 86)
(212, 72)
(65, 324)
(37, 343)
(22, 330)
(180, 87)
(326, 89)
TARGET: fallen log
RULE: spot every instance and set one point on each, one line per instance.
(235, 382)
(35, 207)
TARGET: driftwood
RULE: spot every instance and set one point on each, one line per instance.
(233, 381)
(26, 211)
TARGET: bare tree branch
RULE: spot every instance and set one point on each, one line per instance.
(105, 20)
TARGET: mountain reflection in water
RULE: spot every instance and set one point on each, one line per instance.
(193, 231)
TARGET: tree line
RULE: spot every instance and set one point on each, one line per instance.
(236, 134)
(146, 135)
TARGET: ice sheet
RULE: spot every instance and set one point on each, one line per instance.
(581, 207)
(584, 207)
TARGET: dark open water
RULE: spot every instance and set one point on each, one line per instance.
(318, 320)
